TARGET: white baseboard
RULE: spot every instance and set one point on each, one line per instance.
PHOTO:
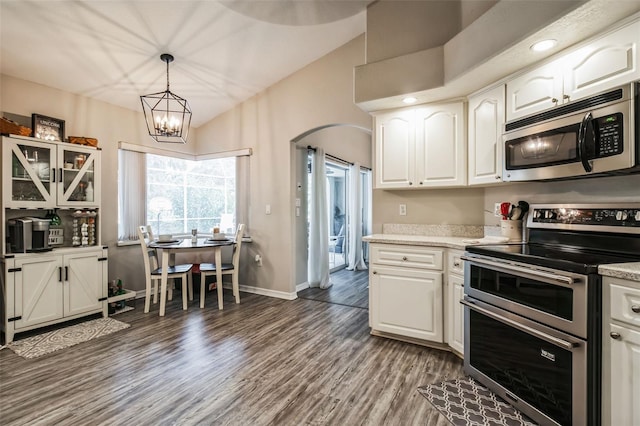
(140, 294)
(266, 292)
(302, 286)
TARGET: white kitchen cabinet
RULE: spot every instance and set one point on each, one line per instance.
(455, 292)
(44, 289)
(406, 300)
(421, 147)
(40, 174)
(485, 127)
(608, 61)
(621, 352)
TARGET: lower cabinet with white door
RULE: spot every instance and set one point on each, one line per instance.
(455, 292)
(621, 352)
(44, 289)
(406, 292)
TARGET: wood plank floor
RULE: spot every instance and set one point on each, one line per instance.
(264, 362)
(350, 288)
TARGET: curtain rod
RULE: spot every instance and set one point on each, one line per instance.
(310, 148)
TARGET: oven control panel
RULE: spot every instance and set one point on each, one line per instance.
(619, 217)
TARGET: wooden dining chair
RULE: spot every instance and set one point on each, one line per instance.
(153, 272)
(209, 269)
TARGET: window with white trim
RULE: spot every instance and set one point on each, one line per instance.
(179, 194)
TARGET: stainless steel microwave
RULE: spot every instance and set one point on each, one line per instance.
(589, 137)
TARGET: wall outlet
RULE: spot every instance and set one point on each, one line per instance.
(496, 210)
(403, 209)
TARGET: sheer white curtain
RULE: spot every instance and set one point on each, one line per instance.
(132, 190)
(318, 261)
(356, 259)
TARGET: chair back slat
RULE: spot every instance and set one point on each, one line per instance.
(149, 255)
(235, 260)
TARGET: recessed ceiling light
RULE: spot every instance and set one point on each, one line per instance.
(409, 100)
(544, 45)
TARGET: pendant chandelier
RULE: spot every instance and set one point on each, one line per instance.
(168, 116)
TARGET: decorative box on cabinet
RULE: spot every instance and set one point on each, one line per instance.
(47, 288)
(38, 174)
(621, 352)
(405, 292)
(421, 147)
(606, 62)
(485, 127)
(455, 292)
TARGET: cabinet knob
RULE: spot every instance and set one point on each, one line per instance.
(410, 183)
(374, 272)
(420, 182)
(404, 257)
(497, 177)
(554, 100)
(566, 97)
(635, 308)
(456, 264)
(615, 335)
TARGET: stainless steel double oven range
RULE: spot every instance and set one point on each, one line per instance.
(533, 322)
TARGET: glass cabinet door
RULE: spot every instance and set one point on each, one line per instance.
(29, 177)
(79, 170)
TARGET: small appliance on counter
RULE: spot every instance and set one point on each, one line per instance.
(28, 234)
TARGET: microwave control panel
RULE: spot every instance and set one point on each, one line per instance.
(609, 133)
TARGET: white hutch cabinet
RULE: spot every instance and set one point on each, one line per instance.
(70, 280)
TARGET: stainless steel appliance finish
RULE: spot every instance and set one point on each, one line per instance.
(28, 234)
(533, 310)
(588, 137)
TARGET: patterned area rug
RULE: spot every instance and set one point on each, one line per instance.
(35, 346)
(466, 402)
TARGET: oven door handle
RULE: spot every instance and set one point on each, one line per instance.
(525, 272)
(524, 328)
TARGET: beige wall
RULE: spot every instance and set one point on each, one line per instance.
(318, 95)
(109, 124)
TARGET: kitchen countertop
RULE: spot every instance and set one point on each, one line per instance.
(627, 271)
(420, 240)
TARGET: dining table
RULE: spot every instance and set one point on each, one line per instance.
(188, 245)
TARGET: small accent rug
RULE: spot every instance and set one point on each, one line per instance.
(466, 402)
(45, 343)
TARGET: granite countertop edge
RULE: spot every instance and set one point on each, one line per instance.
(626, 271)
(420, 240)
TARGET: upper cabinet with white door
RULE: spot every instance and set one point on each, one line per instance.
(41, 174)
(486, 122)
(421, 147)
(608, 61)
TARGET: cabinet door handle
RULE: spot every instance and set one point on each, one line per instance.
(554, 100)
(615, 335)
(66, 273)
(565, 97)
(53, 175)
(60, 273)
(60, 174)
(635, 308)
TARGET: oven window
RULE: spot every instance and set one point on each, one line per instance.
(543, 149)
(533, 370)
(552, 299)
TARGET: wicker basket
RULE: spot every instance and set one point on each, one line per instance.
(81, 140)
(12, 128)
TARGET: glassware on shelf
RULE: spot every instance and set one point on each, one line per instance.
(84, 228)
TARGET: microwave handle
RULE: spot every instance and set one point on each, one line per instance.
(582, 141)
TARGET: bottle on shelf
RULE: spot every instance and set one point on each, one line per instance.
(88, 192)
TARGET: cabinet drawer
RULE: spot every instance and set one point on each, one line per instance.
(625, 304)
(409, 256)
(455, 265)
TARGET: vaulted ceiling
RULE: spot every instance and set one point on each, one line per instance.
(225, 51)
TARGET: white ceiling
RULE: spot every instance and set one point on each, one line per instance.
(225, 52)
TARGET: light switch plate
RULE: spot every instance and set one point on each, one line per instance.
(496, 210)
(267, 209)
(403, 209)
